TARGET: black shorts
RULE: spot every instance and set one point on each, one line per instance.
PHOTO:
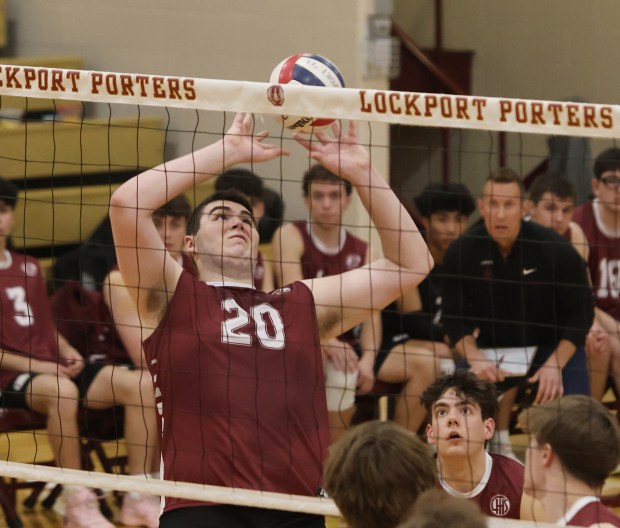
(237, 517)
(14, 396)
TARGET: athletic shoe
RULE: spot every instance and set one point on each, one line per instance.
(140, 510)
(82, 510)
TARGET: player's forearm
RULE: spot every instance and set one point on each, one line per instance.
(467, 348)
(16, 362)
(401, 240)
(562, 354)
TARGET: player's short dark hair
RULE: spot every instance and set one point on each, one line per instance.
(467, 385)
(376, 471)
(608, 160)
(8, 192)
(242, 180)
(581, 431)
(318, 173)
(193, 222)
(178, 207)
(551, 183)
(506, 175)
(436, 509)
(448, 196)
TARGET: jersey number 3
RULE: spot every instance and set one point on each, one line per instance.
(265, 318)
(21, 308)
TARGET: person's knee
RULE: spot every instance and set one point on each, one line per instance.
(340, 388)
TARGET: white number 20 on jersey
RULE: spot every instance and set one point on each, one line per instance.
(260, 315)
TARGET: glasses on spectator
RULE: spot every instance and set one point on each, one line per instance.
(611, 182)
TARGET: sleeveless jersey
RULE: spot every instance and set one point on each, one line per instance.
(589, 511)
(315, 263)
(499, 492)
(26, 323)
(604, 261)
(240, 388)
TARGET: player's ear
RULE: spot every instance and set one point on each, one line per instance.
(548, 454)
(190, 243)
(429, 434)
(489, 428)
(528, 206)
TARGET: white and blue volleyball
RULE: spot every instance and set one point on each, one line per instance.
(309, 70)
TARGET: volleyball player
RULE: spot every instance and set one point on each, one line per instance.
(574, 445)
(462, 410)
(321, 247)
(239, 371)
(43, 372)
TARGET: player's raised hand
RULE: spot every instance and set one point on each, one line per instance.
(243, 145)
(341, 153)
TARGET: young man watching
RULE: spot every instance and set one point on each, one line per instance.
(462, 410)
(41, 371)
(551, 204)
(320, 247)
(574, 445)
(600, 221)
(211, 337)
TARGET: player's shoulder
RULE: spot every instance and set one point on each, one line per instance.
(29, 265)
(582, 212)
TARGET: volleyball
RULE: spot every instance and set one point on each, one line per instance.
(309, 70)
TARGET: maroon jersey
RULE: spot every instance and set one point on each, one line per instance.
(240, 388)
(604, 260)
(315, 263)
(588, 511)
(26, 323)
(499, 492)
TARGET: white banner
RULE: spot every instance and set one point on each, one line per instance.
(407, 108)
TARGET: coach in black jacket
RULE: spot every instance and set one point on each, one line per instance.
(516, 284)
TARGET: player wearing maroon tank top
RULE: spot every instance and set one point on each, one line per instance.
(574, 446)
(462, 410)
(245, 365)
(600, 220)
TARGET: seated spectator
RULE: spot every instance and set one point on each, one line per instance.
(170, 220)
(252, 186)
(437, 509)
(375, 472)
(412, 330)
(574, 445)
(41, 371)
(551, 204)
(462, 410)
(321, 247)
(516, 301)
(600, 220)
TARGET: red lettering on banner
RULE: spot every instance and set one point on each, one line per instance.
(521, 112)
(479, 104)
(96, 82)
(461, 108)
(505, 108)
(380, 102)
(365, 107)
(57, 81)
(573, 119)
(11, 81)
(173, 87)
(446, 107)
(126, 83)
(73, 76)
(555, 108)
(143, 80)
(607, 120)
(394, 108)
(431, 103)
(42, 79)
(537, 114)
(589, 116)
(188, 86)
(110, 84)
(30, 74)
(158, 92)
(410, 104)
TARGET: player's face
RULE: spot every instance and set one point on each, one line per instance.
(533, 468)
(553, 212)
(607, 190)
(443, 228)
(7, 217)
(501, 207)
(327, 202)
(227, 231)
(457, 427)
(171, 230)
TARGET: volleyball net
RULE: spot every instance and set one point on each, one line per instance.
(69, 138)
